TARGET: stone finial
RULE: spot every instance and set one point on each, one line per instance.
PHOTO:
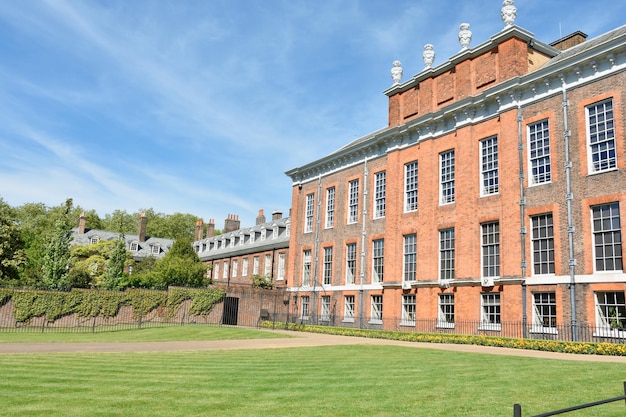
(428, 55)
(508, 13)
(396, 72)
(465, 35)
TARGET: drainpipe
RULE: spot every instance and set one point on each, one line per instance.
(363, 241)
(522, 213)
(570, 221)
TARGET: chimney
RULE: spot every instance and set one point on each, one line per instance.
(82, 222)
(199, 230)
(277, 215)
(231, 223)
(210, 228)
(570, 40)
(141, 228)
(260, 219)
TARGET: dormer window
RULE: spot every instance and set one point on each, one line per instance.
(252, 233)
(93, 240)
(242, 239)
(263, 233)
(134, 246)
(232, 241)
(288, 228)
(275, 232)
(156, 249)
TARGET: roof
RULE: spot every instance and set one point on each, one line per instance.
(144, 249)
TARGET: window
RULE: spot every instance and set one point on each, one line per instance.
(328, 266)
(244, 267)
(490, 311)
(263, 234)
(268, 266)
(93, 240)
(490, 249)
(607, 237)
(410, 247)
(308, 214)
(353, 201)
(281, 267)
(601, 136)
(410, 186)
(445, 317)
(348, 308)
(408, 310)
(539, 153)
(544, 312)
(447, 194)
(255, 265)
(330, 207)
(325, 316)
(378, 260)
(306, 267)
(446, 254)
(304, 308)
(380, 191)
(350, 263)
(156, 249)
(216, 271)
(489, 166)
(235, 266)
(610, 312)
(225, 272)
(274, 232)
(376, 309)
(134, 246)
(542, 239)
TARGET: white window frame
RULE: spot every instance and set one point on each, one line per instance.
(607, 238)
(490, 311)
(489, 172)
(328, 266)
(216, 270)
(490, 250)
(378, 261)
(376, 309)
(445, 314)
(350, 263)
(325, 308)
(330, 208)
(235, 267)
(305, 310)
(306, 268)
(447, 192)
(255, 265)
(409, 264)
(308, 213)
(610, 314)
(348, 308)
(447, 254)
(268, 266)
(353, 201)
(244, 268)
(281, 267)
(380, 194)
(542, 244)
(601, 142)
(544, 312)
(226, 270)
(408, 310)
(539, 158)
(410, 186)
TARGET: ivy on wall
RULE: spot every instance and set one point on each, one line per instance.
(28, 305)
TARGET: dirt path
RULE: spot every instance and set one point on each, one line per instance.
(297, 339)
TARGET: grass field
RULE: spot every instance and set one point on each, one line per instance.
(318, 381)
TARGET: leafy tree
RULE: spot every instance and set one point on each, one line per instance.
(120, 221)
(12, 255)
(115, 265)
(56, 260)
(170, 226)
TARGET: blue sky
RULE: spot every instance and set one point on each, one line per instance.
(201, 106)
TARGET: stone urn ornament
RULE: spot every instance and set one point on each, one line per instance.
(396, 72)
(465, 35)
(508, 13)
(428, 55)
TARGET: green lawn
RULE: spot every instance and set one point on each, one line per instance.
(320, 381)
(154, 334)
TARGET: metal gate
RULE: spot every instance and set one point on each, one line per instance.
(231, 311)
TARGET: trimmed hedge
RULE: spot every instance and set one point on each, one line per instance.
(585, 348)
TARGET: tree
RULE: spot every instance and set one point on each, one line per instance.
(12, 255)
(120, 221)
(56, 260)
(115, 265)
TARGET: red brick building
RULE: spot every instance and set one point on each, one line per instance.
(489, 203)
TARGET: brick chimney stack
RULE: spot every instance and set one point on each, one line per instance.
(277, 215)
(260, 219)
(231, 223)
(141, 228)
(82, 223)
(210, 228)
(199, 230)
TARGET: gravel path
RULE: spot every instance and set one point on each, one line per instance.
(297, 339)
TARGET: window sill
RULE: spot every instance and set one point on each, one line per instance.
(490, 327)
(408, 323)
(375, 322)
(616, 334)
(347, 320)
(543, 330)
(444, 325)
